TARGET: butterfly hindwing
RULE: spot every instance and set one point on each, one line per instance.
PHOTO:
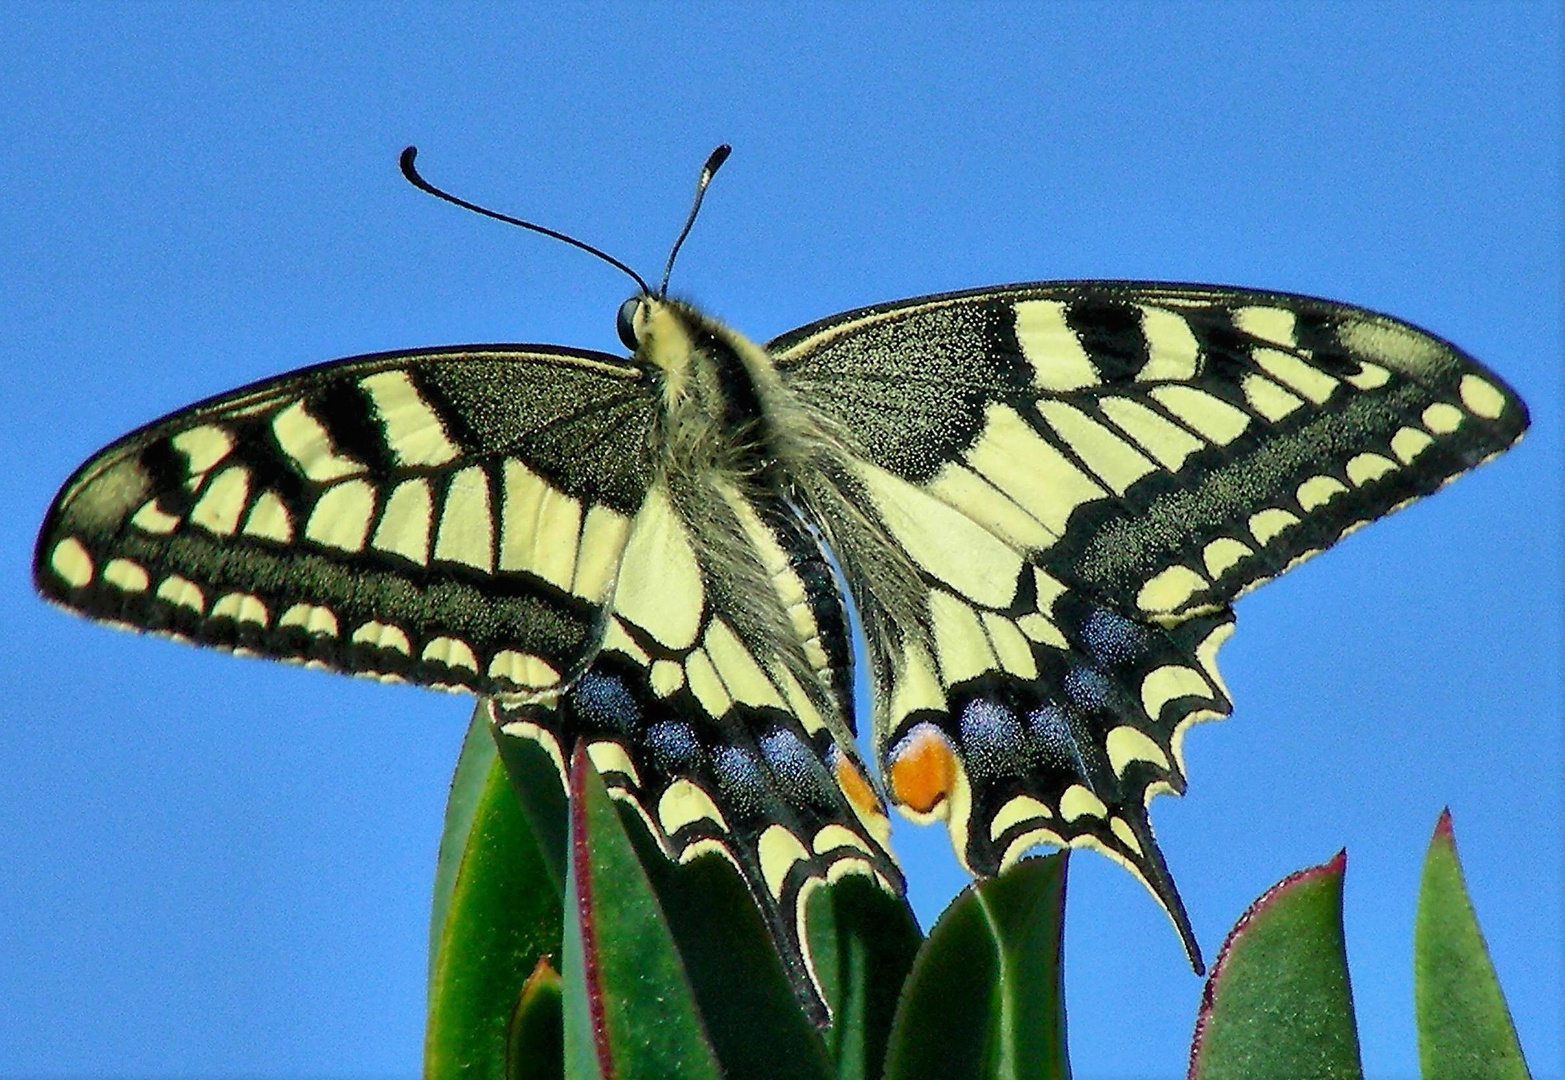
(716, 745)
(1084, 476)
(450, 517)
(1023, 711)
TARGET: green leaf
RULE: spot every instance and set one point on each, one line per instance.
(630, 1012)
(1464, 1028)
(863, 942)
(496, 912)
(749, 1009)
(1278, 1002)
(536, 1039)
(985, 996)
(538, 781)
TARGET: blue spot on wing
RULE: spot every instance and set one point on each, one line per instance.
(606, 701)
(1089, 689)
(798, 771)
(1053, 735)
(1113, 639)
(674, 747)
(740, 778)
(992, 739)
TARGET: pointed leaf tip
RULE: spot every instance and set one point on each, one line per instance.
(1464, 1025)
(535, 1038)
(1334, 867)
(1278, 1000)
(1443, 826)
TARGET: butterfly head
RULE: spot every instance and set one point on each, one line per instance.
(658, 330)
(675, 342)
(715, 383)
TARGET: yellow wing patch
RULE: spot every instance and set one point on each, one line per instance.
(466, 529)
(406, 524)
(947, 544)
(1308, 382)
(1166, 441)
(1020, 809)
(1172, 349)
(660, 587)
(223, 502)
(71, 562)
(685, 803)
(1276, 325)
(241, 607)
(1267, 398)
(1032, 473)
(312, 619)
(1208, 416)
(1114, 461)
(959, 487)
(204, 446)
(1481, 397)
(1058, 360)
(413, 430)
(341, 518)
(1125, 744)
(269, 519)
(304, 439)
(126, 575)
(1170, 590)
(182, 592)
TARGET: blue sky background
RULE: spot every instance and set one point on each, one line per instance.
(211, 866)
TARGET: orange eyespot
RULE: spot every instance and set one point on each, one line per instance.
(922, 769)
(855, 787)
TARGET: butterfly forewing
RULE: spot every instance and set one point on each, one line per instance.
(1085, 475)
(453, 518)
(1166, 447)
(499, 519)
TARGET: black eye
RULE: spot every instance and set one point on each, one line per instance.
(625, 322)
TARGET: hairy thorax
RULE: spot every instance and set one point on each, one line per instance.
(734, 436)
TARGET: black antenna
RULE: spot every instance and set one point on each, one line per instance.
(709, 170)
(424, 185)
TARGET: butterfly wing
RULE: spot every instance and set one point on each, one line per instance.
(448, 517)
(1083, 477)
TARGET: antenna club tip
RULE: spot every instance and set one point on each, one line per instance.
(405, 160)
(715, 161)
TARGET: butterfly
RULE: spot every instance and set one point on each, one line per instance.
(1041, 501)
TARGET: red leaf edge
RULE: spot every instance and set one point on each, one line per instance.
(582, 902)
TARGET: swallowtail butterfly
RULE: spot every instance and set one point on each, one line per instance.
(1042, 500)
